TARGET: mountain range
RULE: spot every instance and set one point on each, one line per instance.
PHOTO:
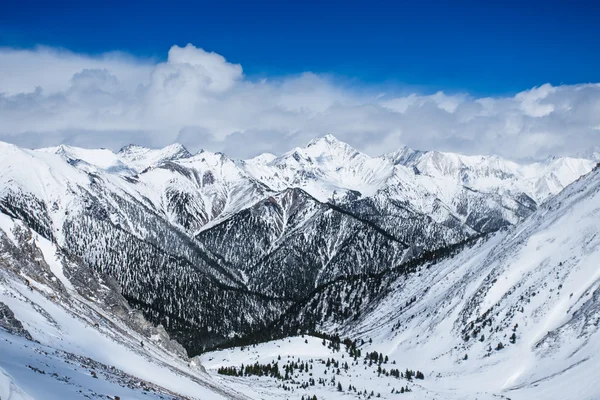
(435, 257)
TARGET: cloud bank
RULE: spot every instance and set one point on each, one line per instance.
(198, 98)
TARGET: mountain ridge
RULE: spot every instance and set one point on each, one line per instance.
(332, 171)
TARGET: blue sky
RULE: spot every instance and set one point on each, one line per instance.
(481, 47)
(520, 80)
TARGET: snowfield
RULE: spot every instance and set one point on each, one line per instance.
(363, 377)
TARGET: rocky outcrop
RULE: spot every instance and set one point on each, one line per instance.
(9, 323)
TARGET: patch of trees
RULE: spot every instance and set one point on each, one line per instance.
(410, 374)
(327, 301)
(402, 390)
(269, 370)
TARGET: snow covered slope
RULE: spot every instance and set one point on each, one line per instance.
(141, 157)
(107, 222)
(315, 367)
(197, 192)
(515, 314)
(522, 308)
(69, 338)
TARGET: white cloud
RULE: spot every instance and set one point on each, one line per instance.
(52, 69)
(532, 101)
(49, 96)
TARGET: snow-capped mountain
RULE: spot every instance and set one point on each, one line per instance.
(538, 180)
(471, 193)
(447, 187)
(105, 221)
(460, 264)
(513, 314)
(199, 190)
(325, 168)
(481, 193)
(326, 211)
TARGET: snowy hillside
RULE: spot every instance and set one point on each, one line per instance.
(107, 223)
(69, 338)
(310, 366)
(513, 315)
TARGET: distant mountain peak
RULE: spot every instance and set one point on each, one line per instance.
(174, 148)
(178, 148)
(263, 158)
(143, 157)
(403, 156)
(128, 147)
(328, 142)
(330, 146)
(327, 139)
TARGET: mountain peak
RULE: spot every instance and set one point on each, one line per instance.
(263, 158)
(328, 139)
(143, 157)
(174, 148)
(403, 156)
(177, 149)
(329, 145)
(129, 147)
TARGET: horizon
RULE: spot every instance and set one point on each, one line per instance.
(594, 154)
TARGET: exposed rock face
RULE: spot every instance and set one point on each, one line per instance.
(9, 323)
